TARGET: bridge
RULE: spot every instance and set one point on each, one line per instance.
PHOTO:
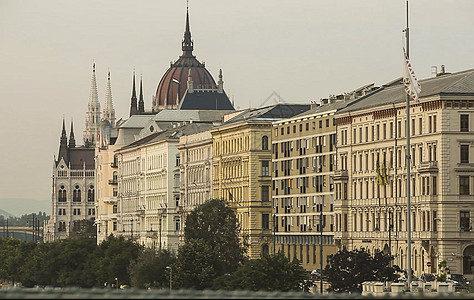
(24, 233)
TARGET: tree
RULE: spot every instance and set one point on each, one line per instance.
(268, 273)
(149, 270)
(83, 229)
(443, 271)
(212, 246)
(13, 253)
(113, 258)
(347, 270)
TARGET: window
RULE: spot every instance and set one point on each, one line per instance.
(91, 212)
(265, 168)
(464, 185)
(90, 194)
(62, 226)
(301, 127)
(114, 209)
(464, 123)
(265, 142)
(76, 194)
(464, 221)
(177, 160)
(420, 126)
(327, 122)
(177, 223)
(294, 129)
(115, 226)
(320, 123)
(77, 211)
(265, 221)
(464, 153)
(115, 192)
(265, 193)
(62, 194)
(307, 126)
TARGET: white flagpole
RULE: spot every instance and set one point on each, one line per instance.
(408, 154)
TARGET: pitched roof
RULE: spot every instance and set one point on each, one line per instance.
(206, 99)
(269, 113)
(170, 134)
(455, 83)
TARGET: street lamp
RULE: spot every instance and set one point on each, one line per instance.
(321, 226)
(171, 277)
(116, 282)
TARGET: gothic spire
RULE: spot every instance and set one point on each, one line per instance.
(187, 44)
(93, 114)
(133, 104)
(141, 103)
(109, 111)
(72, 140)
(63, 145)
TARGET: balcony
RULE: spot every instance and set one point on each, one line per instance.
(110, 200)
(113, 181)
(114, 165)
(428, 166)
(341, 175)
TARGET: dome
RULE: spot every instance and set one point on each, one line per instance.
(173, 84)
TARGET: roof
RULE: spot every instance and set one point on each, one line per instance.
(455, 83)
(206, 99)
(170, 134)
(172, 115)
(269, 113)
(136, 121)
(81, 155)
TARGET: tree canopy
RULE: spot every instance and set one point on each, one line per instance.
(268, 273)
(212, 246)
(347, 270)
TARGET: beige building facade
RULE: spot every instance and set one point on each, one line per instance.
(371, 175)
(242, 171)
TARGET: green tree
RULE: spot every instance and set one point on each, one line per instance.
(347, 270)
(212, 246)
(149, 270)
(268, 273)
(74, 262)
(83, 229)
(113, 257)
(13, 253)
(443, 271)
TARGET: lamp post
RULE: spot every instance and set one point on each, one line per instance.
(116, 282)
(321, 226)
(171, 277)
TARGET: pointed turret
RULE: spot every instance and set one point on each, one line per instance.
(93, 113)
(133, 104)
(141, 103)
(63, 145)
(187, 44)
(190, 82)
(109, 111)
(220, 83)
(72, 140)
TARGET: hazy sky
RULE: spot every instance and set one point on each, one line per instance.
(301, 49)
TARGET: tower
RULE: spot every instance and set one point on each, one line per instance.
(133, 103)
(109, 111)
(93, 114)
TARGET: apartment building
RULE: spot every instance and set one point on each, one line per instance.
(242, 170)
(303, 165)
(371, 174)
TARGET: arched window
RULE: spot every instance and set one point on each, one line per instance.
(265, 142)
(115, 177)
(76, 194)
(90, 194)
(62, 226)
(265, 249)
(62, 194)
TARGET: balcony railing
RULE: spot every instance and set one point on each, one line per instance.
(428, 166)
(113, 181)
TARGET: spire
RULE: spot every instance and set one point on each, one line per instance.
(93, 113)
(133, 105)
(190, 82)
(72, 141)
(141, 103)
(187, 44)
(109, 111)
(63, 145)
(220, 83)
